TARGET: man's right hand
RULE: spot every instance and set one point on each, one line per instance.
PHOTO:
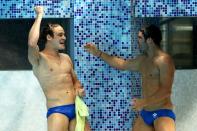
(39, 10)
(80, 92)
(91, 48)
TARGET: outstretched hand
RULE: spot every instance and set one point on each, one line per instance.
(91, 48)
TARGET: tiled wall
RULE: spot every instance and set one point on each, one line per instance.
(164, 8)
(108, 25)
(24, 8)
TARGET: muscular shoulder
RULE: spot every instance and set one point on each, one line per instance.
(66, 57)
(165, 61)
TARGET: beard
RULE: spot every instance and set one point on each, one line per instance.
(59, 45)
(143, 47)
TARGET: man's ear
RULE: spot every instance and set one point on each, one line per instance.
(49, 37)
(149, 40)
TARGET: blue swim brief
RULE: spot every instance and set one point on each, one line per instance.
(67, 110)
(150, 116)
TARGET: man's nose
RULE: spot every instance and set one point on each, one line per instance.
(64, 37)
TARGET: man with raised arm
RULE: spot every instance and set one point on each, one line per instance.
(55, 74)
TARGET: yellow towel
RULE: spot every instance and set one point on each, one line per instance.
(81, 113)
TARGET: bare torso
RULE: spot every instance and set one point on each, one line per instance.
(54, 76)
(151, 83)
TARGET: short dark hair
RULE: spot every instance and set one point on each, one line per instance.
(153, 32)
(47, 30)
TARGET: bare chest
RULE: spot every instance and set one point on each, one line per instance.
(53, 67)
(150, 69)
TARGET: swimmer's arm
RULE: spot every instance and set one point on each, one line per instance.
(166, 79)
(33, 49)
(77, 84)
(113, 61)
(121, 64)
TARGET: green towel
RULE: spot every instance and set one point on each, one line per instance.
(81, 114)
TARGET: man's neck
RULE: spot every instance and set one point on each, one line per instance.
(152, 51)
(51, 52)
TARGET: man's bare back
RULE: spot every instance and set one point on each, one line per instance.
(55, 77)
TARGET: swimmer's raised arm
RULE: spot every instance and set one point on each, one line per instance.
(33, 50)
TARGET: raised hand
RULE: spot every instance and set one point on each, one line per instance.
(39, 10)
(91, 48)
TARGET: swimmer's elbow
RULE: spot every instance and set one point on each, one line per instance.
(32, 43)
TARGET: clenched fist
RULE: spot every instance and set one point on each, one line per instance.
(39, 10)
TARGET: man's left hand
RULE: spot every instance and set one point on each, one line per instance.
(138, 104)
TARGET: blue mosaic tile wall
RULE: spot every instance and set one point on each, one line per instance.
(108, 25)
(24, 8)
(165, 8)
